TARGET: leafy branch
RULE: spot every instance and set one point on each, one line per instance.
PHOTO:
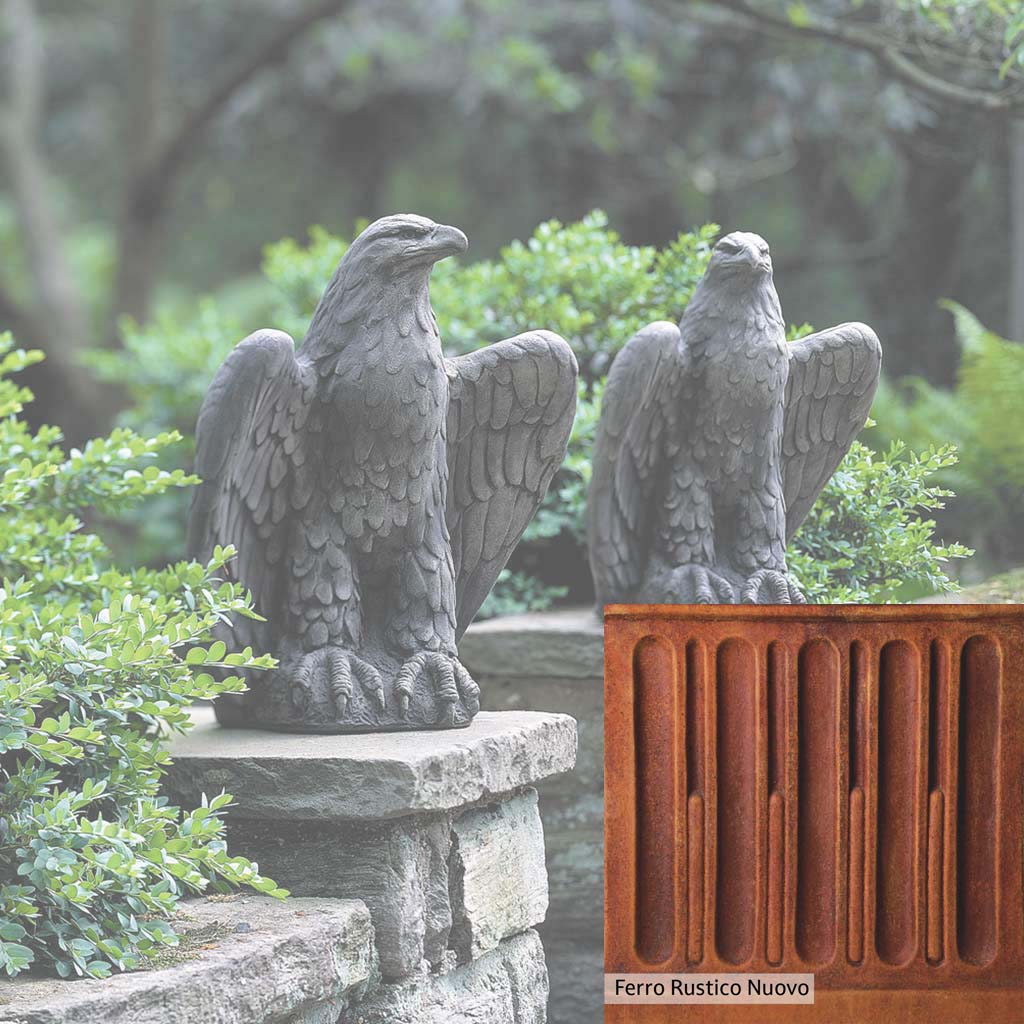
(911, 55)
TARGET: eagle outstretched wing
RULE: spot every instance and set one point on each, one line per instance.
(627, 450)
(250, 457)
(510, 414)
(832, 380)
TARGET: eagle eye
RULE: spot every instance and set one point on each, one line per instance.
(729, 248)
(408, 232)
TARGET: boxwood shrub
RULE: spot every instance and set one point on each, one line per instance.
(97, 665)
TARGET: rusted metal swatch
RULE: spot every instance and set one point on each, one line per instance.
(827, 789)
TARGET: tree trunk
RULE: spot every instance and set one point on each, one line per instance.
(57, 321)
(140, 230)
(160, 158)
(1016, 314)
(919, 269)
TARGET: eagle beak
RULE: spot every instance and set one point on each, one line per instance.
(445, 240)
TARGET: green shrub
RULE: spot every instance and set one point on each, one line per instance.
(96, 666)
(578, 280)
(582, 281)
(864, 541)
(984, 417)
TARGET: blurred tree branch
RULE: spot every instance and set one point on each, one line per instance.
(55, 315)
(56, 295)
(963, 55)
(138, 241)
(149, 193)
(890, 51)
(164, 136)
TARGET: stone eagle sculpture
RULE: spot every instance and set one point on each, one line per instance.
(374, 490)
(715, 439)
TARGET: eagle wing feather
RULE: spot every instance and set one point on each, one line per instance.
(510, 414)
(628, 450)
(833, 375)
(249, 453)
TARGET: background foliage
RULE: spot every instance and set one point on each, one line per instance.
(983, 415)
(150, 149)
(96, 665)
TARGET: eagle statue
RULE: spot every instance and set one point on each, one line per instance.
(715, 439)
(373, 491)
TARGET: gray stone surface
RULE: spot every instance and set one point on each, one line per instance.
(400, 870)
(577, 982)
(260, 961)
(325, 1013)
(482, 871)
(567, 643)
(373, 818)
(498, 879)
(715, 439)
(374, 490)
(571, 805)
(505, 986)
(283, 777)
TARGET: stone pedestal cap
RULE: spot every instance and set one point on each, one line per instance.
(564, 643)
(244, 960)
(369, 777)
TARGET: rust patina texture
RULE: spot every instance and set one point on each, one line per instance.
(827, 789)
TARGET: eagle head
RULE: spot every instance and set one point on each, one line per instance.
(743, 253)
(738, 283)
(404, 243)
(383, 275)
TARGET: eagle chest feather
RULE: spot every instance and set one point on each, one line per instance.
(385, 447)
(742, 365)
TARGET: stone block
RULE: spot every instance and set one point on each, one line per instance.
(566, 643)
(508, 985)
(369, 777)
(498, 878)
(399, 870)
(375, 818)
(485, 868)
(258, 961)
(553, 661)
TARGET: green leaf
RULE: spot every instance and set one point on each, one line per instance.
(93, 676)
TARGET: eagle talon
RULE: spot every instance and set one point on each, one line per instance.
(778, 585)
(694, 583)
(452, 685)
(340, 670)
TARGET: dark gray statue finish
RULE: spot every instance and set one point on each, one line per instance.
(374, 490)
(715, 439)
